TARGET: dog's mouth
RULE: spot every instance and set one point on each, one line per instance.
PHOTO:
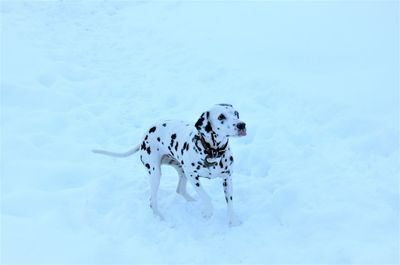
(242, 132)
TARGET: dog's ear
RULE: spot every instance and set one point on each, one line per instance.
(203, 123)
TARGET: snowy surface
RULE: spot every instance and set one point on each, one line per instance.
(316, 179)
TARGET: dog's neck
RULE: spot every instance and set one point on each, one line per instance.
(214, 144)
(214, 140)
(212, 152)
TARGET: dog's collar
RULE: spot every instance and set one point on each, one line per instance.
(211, 153)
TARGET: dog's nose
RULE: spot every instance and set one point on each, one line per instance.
(241, 126)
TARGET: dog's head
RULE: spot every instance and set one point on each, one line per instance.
(223, 120)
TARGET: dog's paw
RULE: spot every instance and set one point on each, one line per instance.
(234, 221)
(158, 215)
(207, 211)
(188, 198)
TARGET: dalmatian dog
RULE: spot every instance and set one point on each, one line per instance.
(199, 151)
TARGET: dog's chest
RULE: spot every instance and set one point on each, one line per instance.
(213, 168)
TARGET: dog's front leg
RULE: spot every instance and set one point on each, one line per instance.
(228, 190)
(207, 205)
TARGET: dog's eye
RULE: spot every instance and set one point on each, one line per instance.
(237, 114)
(221, 117)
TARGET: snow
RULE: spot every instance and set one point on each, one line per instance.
(316, 179)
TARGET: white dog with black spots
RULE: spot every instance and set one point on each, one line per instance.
(199, 151)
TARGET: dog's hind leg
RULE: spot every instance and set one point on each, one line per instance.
(181, 188)
(155, 176)
(153, 167)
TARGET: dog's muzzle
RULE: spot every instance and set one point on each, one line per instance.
(241, 129)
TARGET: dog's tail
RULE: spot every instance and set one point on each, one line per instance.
(126, 154)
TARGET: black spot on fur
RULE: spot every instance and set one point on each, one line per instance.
(172, 140)
(152, 129)
(143, 147)
(185, 147)
(193, 164)
(182, 162)
(176, 146)
(208, 127)
(220, 164)
(164, 124)
(147, 136)
(158, 139)
(230, 198)
(147, 165)
(199, 122)
(148, 150)
(198, 184)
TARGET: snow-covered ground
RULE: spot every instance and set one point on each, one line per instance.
(316, 179)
